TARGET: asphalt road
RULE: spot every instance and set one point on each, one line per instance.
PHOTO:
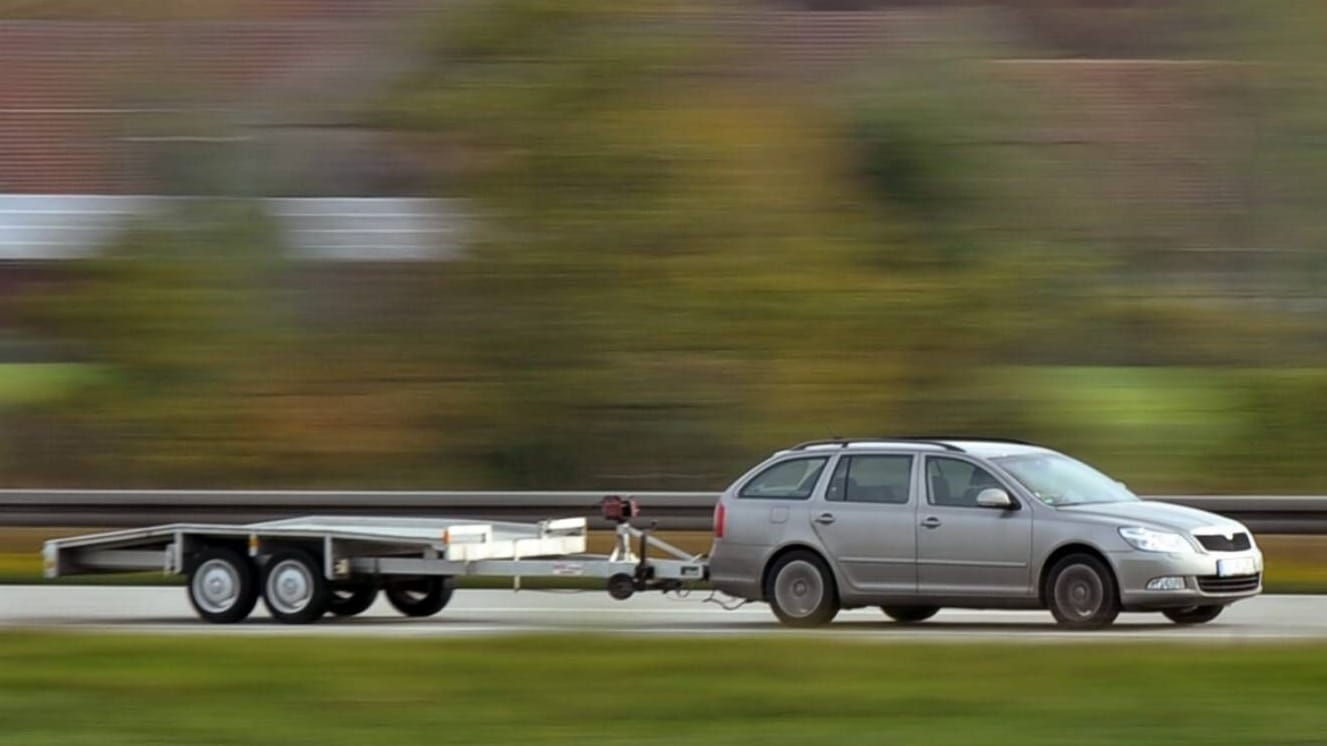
(166, 609)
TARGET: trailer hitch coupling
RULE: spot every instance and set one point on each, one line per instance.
(618, 509)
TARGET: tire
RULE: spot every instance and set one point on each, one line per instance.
(294, 589)
(1194, 614)
(420, 597)
(910, 614)
(223, 586)
(351, 600)
(801, 591)
(1082, 593)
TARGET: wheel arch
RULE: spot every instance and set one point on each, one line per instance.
(196, 547)
(1065, 550)
(788, 549)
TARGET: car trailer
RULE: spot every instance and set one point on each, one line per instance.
(304, 568)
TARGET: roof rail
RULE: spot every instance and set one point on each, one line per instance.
(845, 442)
(986, 438)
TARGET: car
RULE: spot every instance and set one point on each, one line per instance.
(915, 524)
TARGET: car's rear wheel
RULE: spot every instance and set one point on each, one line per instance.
(1082, 593)
(910, 614)
(800, 590)
(1194, 614)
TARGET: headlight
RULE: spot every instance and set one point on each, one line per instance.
(1155, 541)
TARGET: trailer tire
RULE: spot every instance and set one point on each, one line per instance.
(351, 600)
(420, 597)
(223, 586)
(294, 589)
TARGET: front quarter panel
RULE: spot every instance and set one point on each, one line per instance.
(1134, 568)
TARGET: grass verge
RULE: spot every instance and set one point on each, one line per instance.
(28, 383)
(84, 689)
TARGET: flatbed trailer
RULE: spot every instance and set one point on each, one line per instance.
(304, 568)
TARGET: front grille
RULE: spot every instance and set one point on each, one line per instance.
(1218, 543)
(1233, 584)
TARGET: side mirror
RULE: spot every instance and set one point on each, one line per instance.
(994, 497)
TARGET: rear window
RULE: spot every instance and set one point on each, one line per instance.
(794, 479)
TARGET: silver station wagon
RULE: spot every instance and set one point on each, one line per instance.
(915, 524)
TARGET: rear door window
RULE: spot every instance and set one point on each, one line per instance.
(794, 479)
(872, 479)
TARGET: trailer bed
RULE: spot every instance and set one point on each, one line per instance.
(320, 556)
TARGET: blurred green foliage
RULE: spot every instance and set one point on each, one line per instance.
(673, 268)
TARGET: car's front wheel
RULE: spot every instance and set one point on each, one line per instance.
(800, 589)
(1194, 614)
(1081, 593)
(910, 614)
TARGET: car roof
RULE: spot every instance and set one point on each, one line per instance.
(977, 446)
(995, 448)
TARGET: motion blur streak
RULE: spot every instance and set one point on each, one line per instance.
(585, 244)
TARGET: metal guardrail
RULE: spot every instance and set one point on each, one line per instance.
(1279, 514)
(129, 508)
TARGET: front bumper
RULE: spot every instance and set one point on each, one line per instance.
(1202, 586)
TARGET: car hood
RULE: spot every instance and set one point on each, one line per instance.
(1155, 514)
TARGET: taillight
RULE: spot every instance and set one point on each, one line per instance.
(720, 515)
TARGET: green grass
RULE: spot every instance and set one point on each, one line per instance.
(107, 690)
(1132, 397)
(29, 383)
(1151, 427)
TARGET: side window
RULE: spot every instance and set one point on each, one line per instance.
(956, 483)
(871, 479)
(786, 480)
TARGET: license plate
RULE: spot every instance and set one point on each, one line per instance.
(1237, 566)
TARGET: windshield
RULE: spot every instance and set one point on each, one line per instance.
(1059, 480)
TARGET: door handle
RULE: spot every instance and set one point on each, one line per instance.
(825, 518)
(930, 521)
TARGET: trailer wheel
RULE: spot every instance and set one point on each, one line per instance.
(350, 600)
(294, 589)
(621, 586)
(420, 597)
(222, 586)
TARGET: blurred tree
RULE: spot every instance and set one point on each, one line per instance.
(673, 267)
(671, 262)
(207, 372)
(618, 194)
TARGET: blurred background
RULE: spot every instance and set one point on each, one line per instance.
(587, 244)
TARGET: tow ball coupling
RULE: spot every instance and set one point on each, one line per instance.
(618, 509)
(621, 510)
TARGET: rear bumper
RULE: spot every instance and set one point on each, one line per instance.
(1202, 585)
(736, 569)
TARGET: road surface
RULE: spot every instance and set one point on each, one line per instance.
(166, 610)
